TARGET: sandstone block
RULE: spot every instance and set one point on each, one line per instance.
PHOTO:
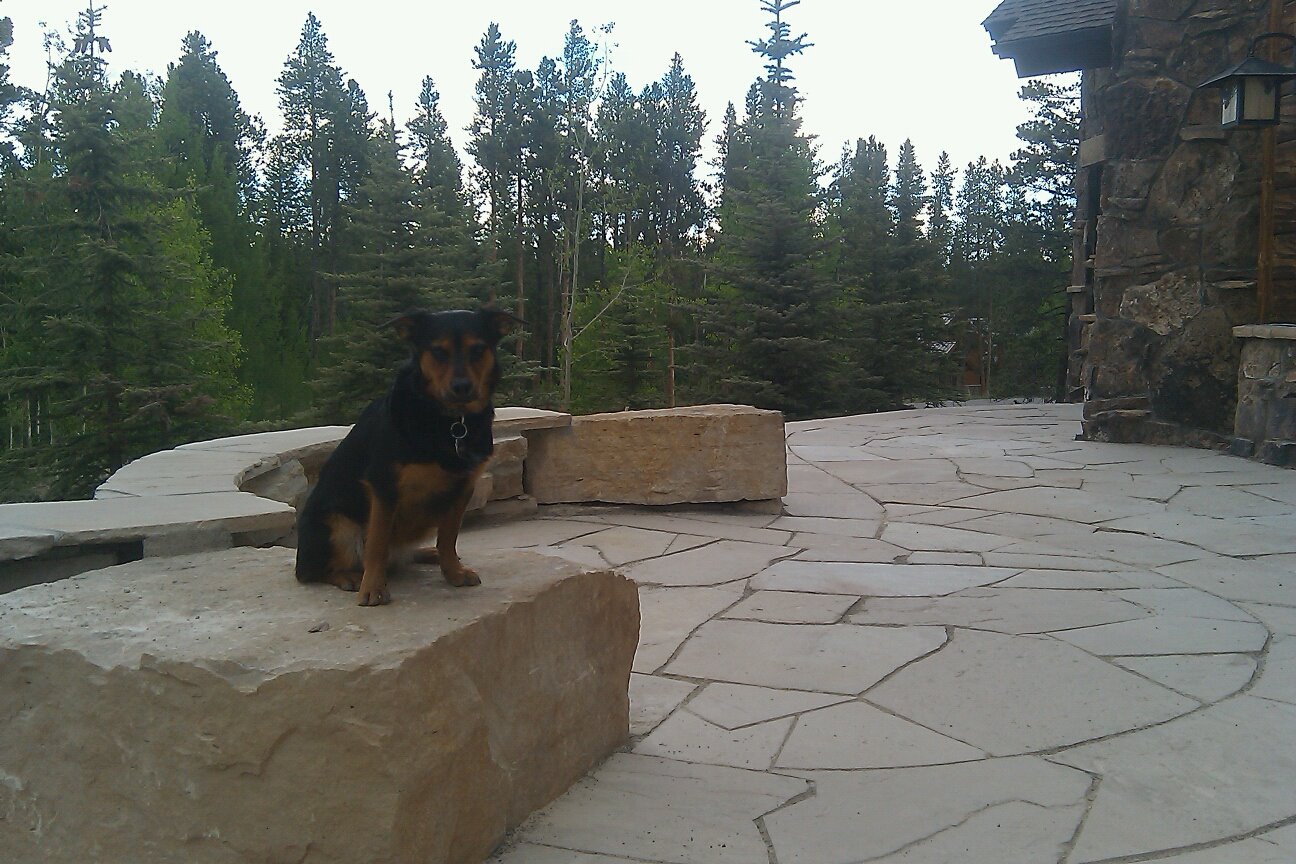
(506, 466)
(211, 709)
(699, 454)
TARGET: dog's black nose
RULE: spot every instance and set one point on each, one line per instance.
(461, 388)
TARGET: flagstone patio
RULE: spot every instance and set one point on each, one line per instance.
(969, 638)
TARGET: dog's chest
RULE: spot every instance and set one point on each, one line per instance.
(427, 488)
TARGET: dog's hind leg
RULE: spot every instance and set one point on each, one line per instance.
(344, 554)
(426, 555)
(314, 546)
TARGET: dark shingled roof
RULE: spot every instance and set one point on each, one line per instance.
(1043, 36)
(1015, 20)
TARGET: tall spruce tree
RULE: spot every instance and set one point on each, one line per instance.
(454, 271)
(940, 225)
(384, 276)
(326, 130)
(918, 370)
(214, 146)
(862, 229)
(771, 335)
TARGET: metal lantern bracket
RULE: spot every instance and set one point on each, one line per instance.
(1252, 89)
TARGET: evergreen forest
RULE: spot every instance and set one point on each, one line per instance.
(171, 271)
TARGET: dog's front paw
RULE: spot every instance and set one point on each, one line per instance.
(373, 594)
(461, 576)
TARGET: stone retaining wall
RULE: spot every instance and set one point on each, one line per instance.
(244, 491)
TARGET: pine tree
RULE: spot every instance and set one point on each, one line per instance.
(10, 95)
(861, 228)
(214, 146)
(325, 139)
(940, 226)
(625, 155)
(132, 354)
(492, 130)
(917, 370)
(454, 271)
(385, 276)
(1045, 165)
(772, 334)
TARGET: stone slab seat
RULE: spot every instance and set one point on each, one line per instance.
(208, 708)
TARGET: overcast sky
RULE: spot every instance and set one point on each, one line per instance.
(920, 69)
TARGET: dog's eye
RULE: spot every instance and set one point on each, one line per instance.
(477, 352)
(440, 355)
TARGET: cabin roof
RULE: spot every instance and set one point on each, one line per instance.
(1045, 36)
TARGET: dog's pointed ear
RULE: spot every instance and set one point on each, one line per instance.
(499, 322)
(404, 325)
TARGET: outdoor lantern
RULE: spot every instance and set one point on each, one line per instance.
(1252, 89)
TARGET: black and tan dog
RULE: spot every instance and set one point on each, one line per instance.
(408, 466)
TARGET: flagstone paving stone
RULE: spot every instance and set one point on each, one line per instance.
(1003, 610)
(831, 547)
(1253, 581)
(834, 506)
(1221, 536)
(790, 607)
(1168, 634)
(623, 545)
(834, 658)
(668, 616)
(877, 580)
(940, 538)
(923, 493)
(731, 706)
(1084, 580)
(1279, 619)
(1085, 654)
(1021, 694)
(858, 735)
(972, 558)
(665, 810)
(652, 699)
(713, 564)
(865, 815)
(1208, 677)
(689, 738)
(863, 528)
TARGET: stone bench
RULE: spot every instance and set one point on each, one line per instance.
(207, 708)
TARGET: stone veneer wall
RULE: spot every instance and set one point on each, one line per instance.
(1175, 264)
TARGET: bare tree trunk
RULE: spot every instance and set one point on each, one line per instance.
(518, 272)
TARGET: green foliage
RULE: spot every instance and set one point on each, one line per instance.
(621, 339)
(168, 270)
(121, 347)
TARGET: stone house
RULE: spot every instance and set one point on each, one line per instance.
(1182, 320)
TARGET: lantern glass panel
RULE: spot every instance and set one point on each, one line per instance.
(1260, 100)
(1232, 102)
